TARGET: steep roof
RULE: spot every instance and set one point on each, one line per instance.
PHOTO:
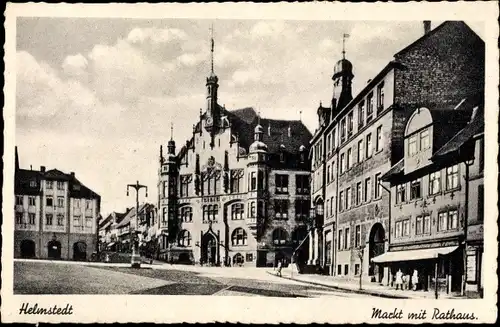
(131, 214)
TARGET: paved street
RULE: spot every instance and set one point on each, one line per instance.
(46, 277)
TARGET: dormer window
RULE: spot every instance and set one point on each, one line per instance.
(412, 145)
(424, 140)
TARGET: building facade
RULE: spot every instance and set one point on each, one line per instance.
(359, 139)
(237, 193)
(55, 215)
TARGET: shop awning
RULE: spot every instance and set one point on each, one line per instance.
(412, 255)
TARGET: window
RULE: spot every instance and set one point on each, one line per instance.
(211, 183)
(60, 202)
(49, 201)
(185, 183)
(415, 189)
(328, 143)
(249, 257)
(236, 180)
(339, 270)
(378, 186)
(19, 218)
(448, 220)
(281, 183)
(301, 209)
(76, 203)
(378, 142)
(368, 189)
(348, 198)
(361, 114)
(210, 212)
(331, 205)
(239, 237)
(280, 236)
(369, 108)
(340, 240)
(402, 228)
(237, 211)
(328, 174)
(19, 200)
(88, 204)
(369, 148)
(452, 177)
(334, 139)
(164, 214)
(31, 218)
(60, 220)
(341, 200)
(419, 225)
(424, 140)
(360, 151)
(406, 227)
(49, 184)
(31, 200)
(253, 181)
(380, 97)
(165, 189)
(32, 183)
(349, 158)
(357, 270)
(350, 124)
(443, 221)
(401, 193)
(480, 203)
(77, 221)
(88, 222)
(281, 209)
(342, 130)
(342, 163)
(187, 214)
(48, 219)
(435, 183)
(347, 239)
(346, 270)
(359, 191)
(453, 219)
(60, 185)
(427, 224)
(185, 238)
(357, 238)
(302, 184)
(412, 145)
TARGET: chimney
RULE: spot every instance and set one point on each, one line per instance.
(72, 174)
(42, 169)
(31, 167)
(427, 26)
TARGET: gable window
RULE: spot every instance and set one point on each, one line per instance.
(369, 148)
(60, 185)
(281, 209)
(380, 97)
(302, 184)
(361, 114)
(424, 140)
(401, 193)
(239, 237)
(452, 177)
(237, 211)
(415, 189)
(379, 140)
(236, 180)
(49, 184)
(360, 151)
(187, 214)
(210, 183)
(435, 183)
(281, 184)
(412, 145)
(369, 108)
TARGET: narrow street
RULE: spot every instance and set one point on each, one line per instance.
(47, 277)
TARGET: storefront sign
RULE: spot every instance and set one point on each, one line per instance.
(471, 267)
(475, 232)
(211, 199)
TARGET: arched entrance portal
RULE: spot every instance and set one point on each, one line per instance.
(209, 249)
(80, 251)
(28, 248)
(376, 248)
(54, 249)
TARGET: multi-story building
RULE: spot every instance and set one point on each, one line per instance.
(237, 192)
(359, 139)
(431, 191)
(55, 215)
(140, 224)
(108, 231)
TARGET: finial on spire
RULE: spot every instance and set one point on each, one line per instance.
(212, 47)
(258, 117)
(345, 36)
(300, 115)
(172, 131)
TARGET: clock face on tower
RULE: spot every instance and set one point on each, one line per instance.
(209, 121)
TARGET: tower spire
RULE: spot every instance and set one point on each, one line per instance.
(344, 36)
(212, 48)
(171, 131)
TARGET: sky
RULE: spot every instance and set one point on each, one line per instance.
(97, 96)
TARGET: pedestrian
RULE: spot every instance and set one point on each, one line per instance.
(414, 279)
(399, 279)
(279, 268)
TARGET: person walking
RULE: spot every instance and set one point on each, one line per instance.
(399, 280)
(279, 268)
(414, 280)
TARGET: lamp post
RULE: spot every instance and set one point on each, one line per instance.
(135, 260)
(468, 163)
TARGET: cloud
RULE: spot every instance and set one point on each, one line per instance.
(156, 35)
(268, 29)
(241, 77)
(75, 65)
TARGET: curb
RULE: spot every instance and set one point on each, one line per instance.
(390, 296)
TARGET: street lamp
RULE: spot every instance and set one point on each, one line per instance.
(135, 259)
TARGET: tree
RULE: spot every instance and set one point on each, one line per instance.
(361, 252)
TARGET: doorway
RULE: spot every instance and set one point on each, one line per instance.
(80, 251)
(376, 248)
(209, 249)
(28, 248)
(54, 249)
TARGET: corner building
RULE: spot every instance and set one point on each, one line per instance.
(237, 192)
(360, 138)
